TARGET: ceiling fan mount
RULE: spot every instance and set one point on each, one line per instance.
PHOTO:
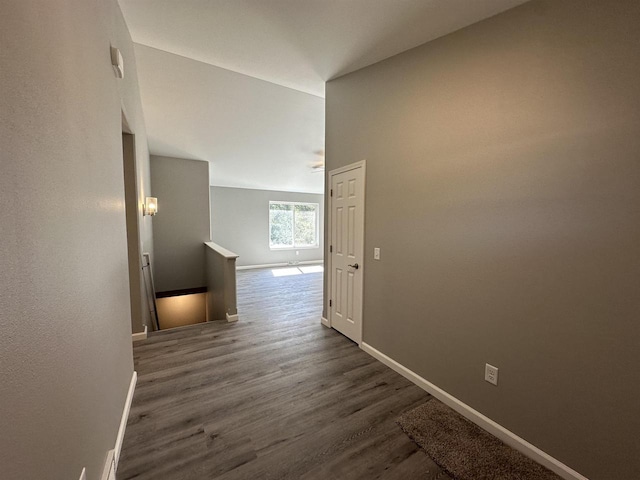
(318, 165)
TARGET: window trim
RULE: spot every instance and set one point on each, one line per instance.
(305, 247)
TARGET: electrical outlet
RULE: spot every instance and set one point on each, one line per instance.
(376, 253)
(491, 374)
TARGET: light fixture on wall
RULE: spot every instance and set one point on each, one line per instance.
(150, 206)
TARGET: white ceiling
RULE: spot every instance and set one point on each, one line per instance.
(299, 44)
(255, 134)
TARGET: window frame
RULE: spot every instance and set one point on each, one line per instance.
(294, 247)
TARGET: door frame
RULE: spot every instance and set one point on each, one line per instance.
(353, 166)
(139, 314)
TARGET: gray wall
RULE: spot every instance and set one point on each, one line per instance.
(65, 331)
(182, 224)
(503, 184)
(240, 222)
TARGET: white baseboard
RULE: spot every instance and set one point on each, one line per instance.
(135, 337)
(125, 417)
(325, 322)
(109, 471)
(265, 265)
(478, 418)
(276, 265)
(232, 318)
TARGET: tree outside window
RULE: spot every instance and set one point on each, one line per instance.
(293, 225)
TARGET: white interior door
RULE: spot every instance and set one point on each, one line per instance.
(346, 250)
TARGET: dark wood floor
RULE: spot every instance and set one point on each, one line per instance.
(274, 396)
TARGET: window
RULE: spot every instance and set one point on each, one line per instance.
(293, 225)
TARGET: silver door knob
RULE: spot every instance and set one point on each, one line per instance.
(355, 265)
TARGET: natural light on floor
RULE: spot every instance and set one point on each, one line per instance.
(312, 269)
(285, 272)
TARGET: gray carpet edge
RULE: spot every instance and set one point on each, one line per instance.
(464, 450)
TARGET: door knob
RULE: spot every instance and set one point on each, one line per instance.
(355, 265)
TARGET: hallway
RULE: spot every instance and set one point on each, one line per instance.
(276, 395)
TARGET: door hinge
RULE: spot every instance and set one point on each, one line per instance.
(330, 248)
(330, 303)
(331, 194)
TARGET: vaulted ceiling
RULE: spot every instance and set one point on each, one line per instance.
(240, 83)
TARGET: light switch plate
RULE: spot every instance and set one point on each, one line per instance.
(376, 253)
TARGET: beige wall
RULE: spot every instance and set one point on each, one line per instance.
(182, 310)
(65, 331)
(503, 184)
(182, 224)
(240, 222)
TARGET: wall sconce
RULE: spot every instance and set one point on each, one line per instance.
(150, 206)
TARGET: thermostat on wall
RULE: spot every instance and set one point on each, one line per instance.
(117, 62)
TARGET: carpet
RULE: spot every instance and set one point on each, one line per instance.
(464, 450)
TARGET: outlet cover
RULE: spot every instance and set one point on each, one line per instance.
(491, 374)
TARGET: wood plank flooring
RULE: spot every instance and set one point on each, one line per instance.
(274, 396)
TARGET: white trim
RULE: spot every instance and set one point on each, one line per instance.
(109, 466)
(478, 418)
(327, 237)
(136, 337)
(275, 265)
(264, 265)
(221, 250)
(346, 168)
(232, 318)
(125, 417)
(325, 322)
